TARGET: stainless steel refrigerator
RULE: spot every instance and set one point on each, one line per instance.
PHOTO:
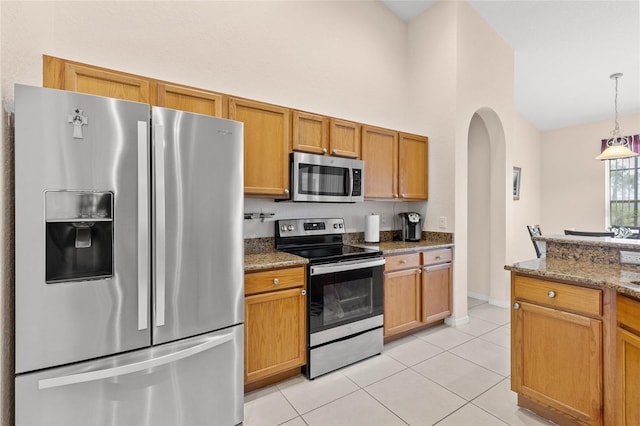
(129, 263)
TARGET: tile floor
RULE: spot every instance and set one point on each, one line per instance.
(443, 375)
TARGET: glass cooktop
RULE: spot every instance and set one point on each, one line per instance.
(334, 253)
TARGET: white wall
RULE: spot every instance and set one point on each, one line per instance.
(573, 182)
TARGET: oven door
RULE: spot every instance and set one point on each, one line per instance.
(343, 293)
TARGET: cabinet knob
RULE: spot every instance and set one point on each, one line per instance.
(516, 306)
(403, 261)
(419, 271)
(551, 294)
(395, 195)
(438, 257)
(334, 152)
(404, 195)
(276, 281)
(286, 192)
(324, 150)
(303, 292)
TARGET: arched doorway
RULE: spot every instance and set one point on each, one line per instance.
(486, 208)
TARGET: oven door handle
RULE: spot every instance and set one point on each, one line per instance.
(348, 265)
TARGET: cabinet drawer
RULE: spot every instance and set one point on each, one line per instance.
(259, 282)
(627, 310)
(401, 261)
(563, 296)
(432, 257)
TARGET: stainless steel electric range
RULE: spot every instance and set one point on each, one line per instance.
(345, 293)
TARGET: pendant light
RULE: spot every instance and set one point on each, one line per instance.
(618, 146)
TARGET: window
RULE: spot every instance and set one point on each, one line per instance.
(624, 190)
(623, 195)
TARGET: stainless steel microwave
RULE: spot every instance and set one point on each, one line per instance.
(326, 179)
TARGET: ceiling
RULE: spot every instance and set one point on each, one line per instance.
(564, 53)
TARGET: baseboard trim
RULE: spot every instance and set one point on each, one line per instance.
(456, 321)
(478, 296)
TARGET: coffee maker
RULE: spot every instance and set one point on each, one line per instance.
(411, 226)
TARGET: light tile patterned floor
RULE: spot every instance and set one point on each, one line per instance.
(443, 375)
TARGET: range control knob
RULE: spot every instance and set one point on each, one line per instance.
(290, 228)
(341, 225)
(335, 226)
(283, 227)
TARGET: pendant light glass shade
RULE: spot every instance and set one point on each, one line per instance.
(618, 146)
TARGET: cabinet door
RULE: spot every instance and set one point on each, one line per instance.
(185, 98)
(627, 380)
(266, 147)
(275, 333)
(310, 133)
(401, 301)
(380, 155)
(344, 138)
(556, 360)
(436, 292)
(413, 167)
(76, 77)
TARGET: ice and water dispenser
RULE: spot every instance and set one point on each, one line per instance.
(79, 235)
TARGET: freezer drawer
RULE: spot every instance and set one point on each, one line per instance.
(197, 381)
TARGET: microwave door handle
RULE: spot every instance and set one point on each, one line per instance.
(350, 183)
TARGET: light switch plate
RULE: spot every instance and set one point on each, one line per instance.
(630, 257)
(442, 222)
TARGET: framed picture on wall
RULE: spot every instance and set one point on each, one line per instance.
(516, 182)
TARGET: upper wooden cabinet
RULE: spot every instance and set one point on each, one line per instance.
(318, 134)
(344, 138)
(67, 75)
(395, 164)
(310, 132)
(413, 163)
(380, 154)
(189, 99)
(266, 147)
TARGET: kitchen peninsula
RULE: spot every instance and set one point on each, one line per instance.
(575, 339)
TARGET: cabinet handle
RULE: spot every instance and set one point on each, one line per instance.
(276, 281)
(303, 292)
(286, 192)
(324, 150)
(551, 294)
(516, 306)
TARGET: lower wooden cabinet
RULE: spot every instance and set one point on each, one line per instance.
(417, 290)
(557, 349)
(627, 362)
(275, 323)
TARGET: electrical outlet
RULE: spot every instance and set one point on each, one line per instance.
(630, 257)
(442, 222)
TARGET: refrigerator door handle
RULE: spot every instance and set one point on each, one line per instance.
(90, 376)
(143, 226)
(159, 261)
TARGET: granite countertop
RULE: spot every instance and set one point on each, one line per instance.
(260, 256)
(625, 279)
(395, 247)
(272, 259)
(617, 243)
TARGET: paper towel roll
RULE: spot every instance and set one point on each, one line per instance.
(372, 228)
